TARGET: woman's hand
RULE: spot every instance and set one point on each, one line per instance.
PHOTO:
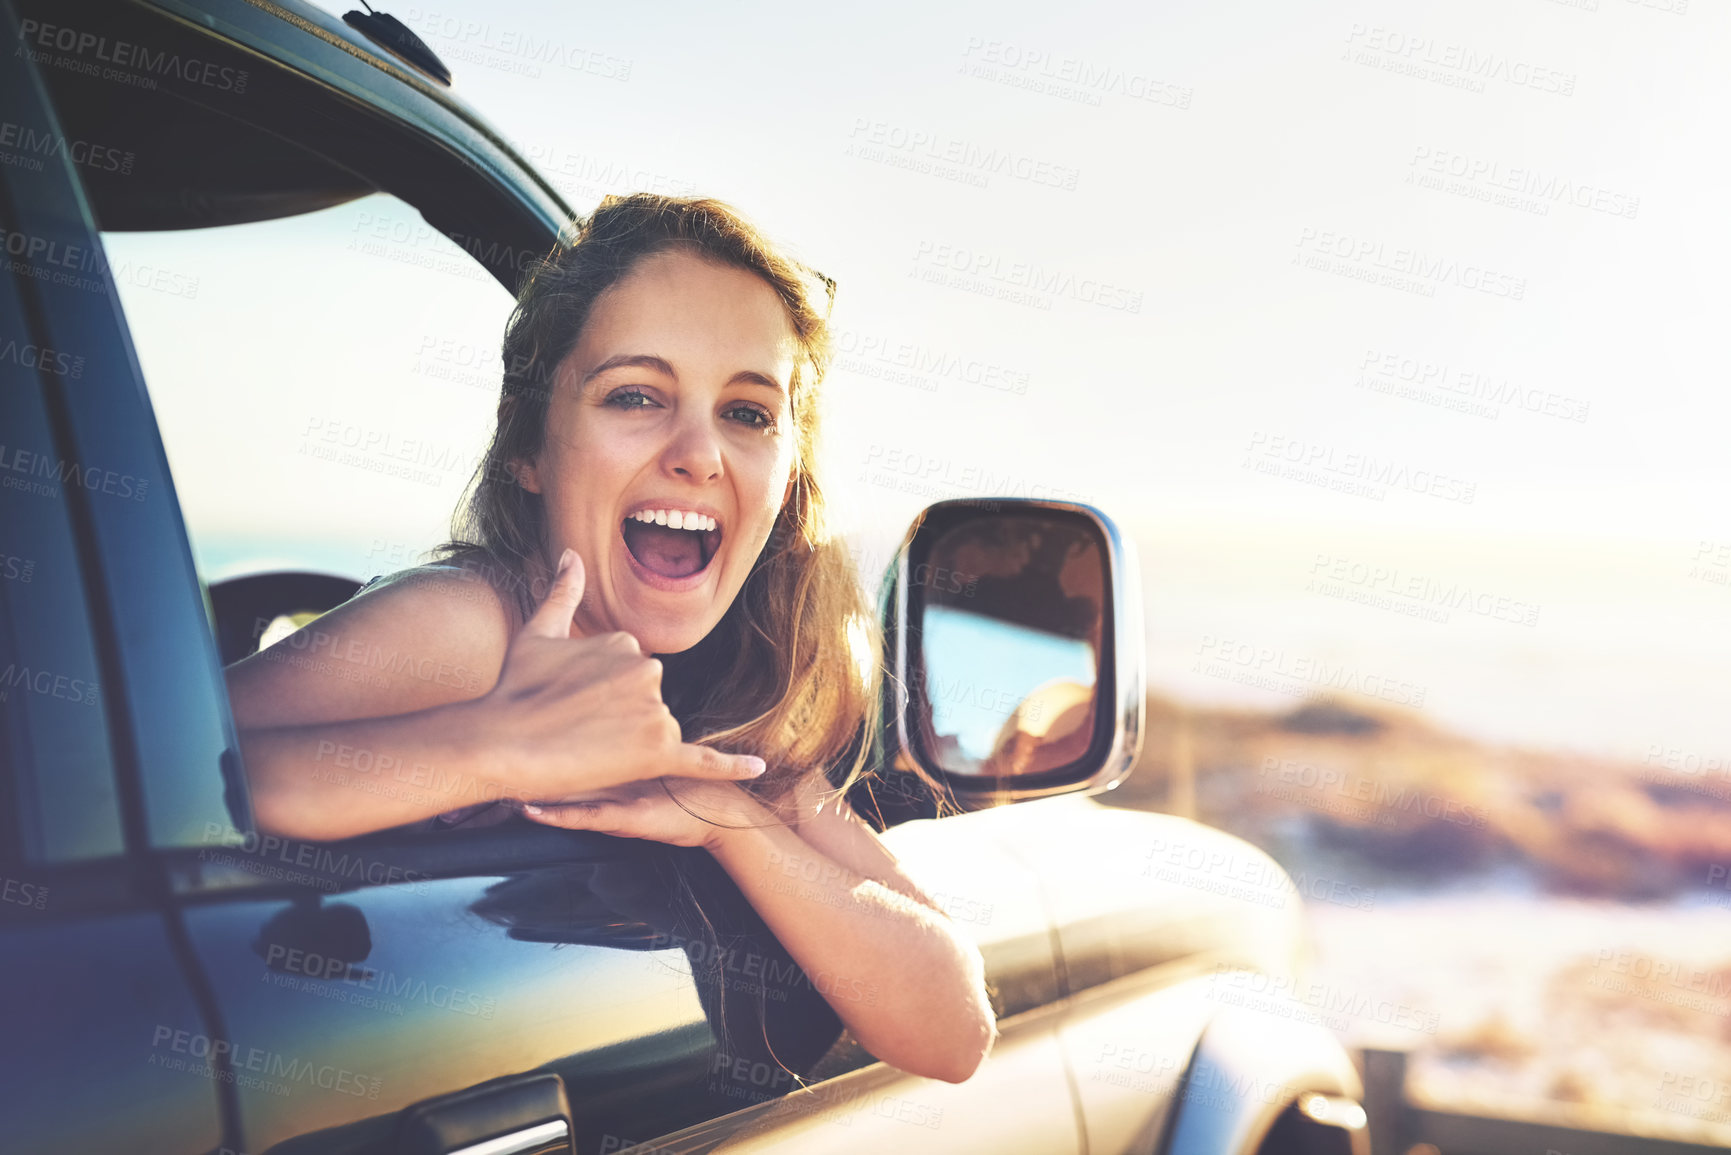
(679, 811)
(578, 715)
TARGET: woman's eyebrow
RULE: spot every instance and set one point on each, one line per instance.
(753, 377)
(630, 361)
(660, 365)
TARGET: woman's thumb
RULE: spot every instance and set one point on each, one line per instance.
(553, 619)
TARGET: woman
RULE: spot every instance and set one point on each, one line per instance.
(652, 473)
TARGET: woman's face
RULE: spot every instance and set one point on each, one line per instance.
(673, 403)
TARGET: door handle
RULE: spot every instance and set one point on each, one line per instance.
(516, 1115)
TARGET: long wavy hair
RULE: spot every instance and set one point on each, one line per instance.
(790, 672)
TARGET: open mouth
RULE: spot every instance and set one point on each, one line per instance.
(667, 550)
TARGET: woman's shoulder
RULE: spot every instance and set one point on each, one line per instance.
(408, 640)
(449, 600)
(470, 584)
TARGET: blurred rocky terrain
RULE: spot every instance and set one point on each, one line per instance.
(1551, 931)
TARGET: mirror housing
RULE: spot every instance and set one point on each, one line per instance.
(1014, 655)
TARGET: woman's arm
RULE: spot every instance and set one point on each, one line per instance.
(330, 780)
(894, 967)
(906, 982)
(415, 699)
(348, 725)
(824, 819)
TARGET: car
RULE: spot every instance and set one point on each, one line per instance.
(177, 981)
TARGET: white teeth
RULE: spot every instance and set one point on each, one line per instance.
(675, 519)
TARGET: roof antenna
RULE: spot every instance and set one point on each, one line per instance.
(394, 37)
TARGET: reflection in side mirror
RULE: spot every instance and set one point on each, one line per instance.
(1017, 636)
(1011, 662)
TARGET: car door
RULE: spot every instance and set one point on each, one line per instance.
(472, 956)
(360, 979)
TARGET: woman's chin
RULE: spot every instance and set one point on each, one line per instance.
(665, 640)
(666, 632)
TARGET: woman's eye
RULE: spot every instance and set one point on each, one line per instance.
(631, 399)
(753, 416)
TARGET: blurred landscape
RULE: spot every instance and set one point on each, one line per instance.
(1558, 921)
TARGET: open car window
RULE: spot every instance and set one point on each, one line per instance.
(325, 383)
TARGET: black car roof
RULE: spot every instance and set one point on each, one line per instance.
(308, 113)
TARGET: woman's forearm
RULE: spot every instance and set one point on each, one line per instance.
(331, 780)
(905, 982)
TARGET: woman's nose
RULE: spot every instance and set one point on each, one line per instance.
(694, 452)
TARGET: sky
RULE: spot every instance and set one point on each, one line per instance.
(1391, 334)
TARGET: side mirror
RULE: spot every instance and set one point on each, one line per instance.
(1015, 650)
